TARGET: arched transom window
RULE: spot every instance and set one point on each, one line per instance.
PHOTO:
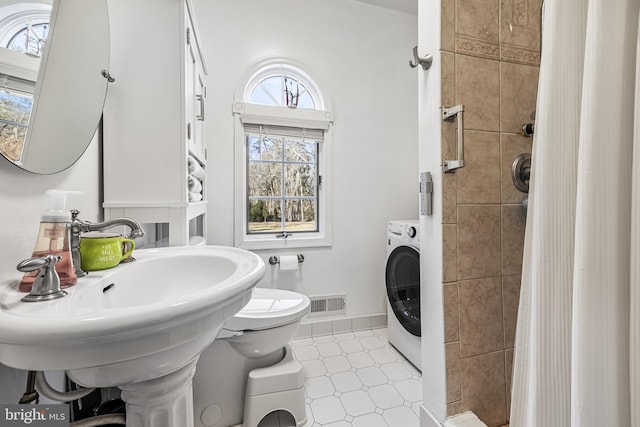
(282, 84)
(24, 26)
(30, 39)
(282, 90)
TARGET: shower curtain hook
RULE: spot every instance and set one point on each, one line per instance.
(425, 61)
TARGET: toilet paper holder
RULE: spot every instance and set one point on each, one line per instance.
(273, 260)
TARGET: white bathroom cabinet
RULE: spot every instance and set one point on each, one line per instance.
(154, 116)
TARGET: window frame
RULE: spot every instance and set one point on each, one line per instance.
(285, 135)
(256, 114)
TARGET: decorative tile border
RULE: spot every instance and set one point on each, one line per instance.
(316, 328)
(466, 45)
(476, 47)
(519, 55)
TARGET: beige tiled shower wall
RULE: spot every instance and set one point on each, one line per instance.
(490, 60)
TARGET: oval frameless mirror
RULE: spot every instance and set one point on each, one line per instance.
(69, 92)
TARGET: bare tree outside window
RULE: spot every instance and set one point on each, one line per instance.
(15, 110)
(282, 184)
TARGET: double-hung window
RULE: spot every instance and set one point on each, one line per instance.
(24, 28)
(282, 162)
(282, 179)
(15, 110)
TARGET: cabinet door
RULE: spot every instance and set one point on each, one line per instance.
(195, 93)
(190, 91)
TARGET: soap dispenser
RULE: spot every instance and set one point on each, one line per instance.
(54, 239)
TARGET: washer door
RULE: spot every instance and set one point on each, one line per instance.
(403, 287)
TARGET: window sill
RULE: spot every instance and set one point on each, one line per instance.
(288, 243)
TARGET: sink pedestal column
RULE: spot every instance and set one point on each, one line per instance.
(162, 402)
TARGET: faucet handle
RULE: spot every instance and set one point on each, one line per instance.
(74, 214)
(36, 263)
(46, 286)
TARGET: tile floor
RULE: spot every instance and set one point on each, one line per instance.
(355, 379)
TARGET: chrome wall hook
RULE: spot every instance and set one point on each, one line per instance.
(108, 76)
(425, 61)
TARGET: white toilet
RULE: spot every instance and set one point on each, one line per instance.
(250, 361)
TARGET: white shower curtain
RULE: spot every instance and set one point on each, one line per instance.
(577, 352)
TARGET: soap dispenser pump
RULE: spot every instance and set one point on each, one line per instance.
(54, 239)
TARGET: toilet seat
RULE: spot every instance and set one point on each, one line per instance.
(269, 308)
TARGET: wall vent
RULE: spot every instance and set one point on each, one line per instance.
(328, 305)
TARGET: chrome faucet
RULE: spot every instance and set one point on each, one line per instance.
(79, 226)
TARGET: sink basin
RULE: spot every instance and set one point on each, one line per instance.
(132, 323)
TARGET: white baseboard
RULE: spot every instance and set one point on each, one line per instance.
(317, 327)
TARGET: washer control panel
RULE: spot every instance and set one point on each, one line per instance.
(406, 230)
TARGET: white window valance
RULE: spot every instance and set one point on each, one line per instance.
(282, 116)
(286, 131)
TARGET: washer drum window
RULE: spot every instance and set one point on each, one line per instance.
(403, 287)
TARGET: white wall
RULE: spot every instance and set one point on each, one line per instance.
(22, 199)
(359, 54)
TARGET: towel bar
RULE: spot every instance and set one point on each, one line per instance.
(449, 115)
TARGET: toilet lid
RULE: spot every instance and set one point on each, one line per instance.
(269, 308)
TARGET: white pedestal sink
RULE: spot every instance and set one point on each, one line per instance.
(140, 326)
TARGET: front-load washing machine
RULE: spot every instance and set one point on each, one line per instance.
(403, 289)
